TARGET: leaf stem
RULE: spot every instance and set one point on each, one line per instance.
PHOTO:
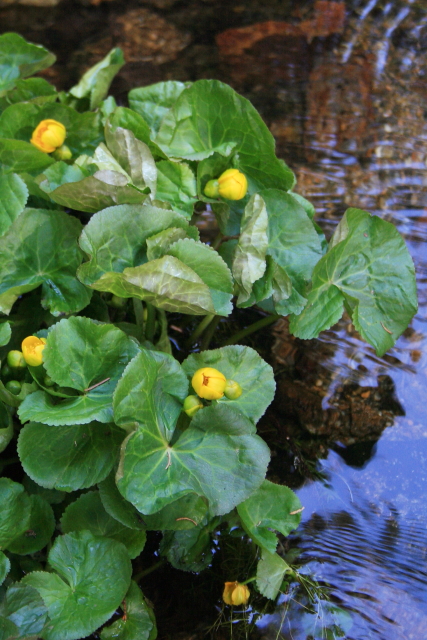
(151, 322)
(215, 244)
(139, 316)
(208, 334)
(256, 326)
(146, 572)
(199, 329)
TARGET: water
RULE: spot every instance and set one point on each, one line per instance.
(349, 114)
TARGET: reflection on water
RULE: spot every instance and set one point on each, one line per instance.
(363, 142)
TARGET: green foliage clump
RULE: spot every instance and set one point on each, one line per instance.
(96, 249)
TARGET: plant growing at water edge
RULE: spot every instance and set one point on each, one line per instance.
(97, 248)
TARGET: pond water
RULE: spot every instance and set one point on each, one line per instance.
(345, 98)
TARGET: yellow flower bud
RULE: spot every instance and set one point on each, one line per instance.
(48, 135)
(209, 383)
(232, 390)
(32, 348)
(191, 405)
(232, 184)
(235, 593)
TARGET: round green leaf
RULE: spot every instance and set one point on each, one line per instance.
(26, 609)
(40, 528)
(93, 576)
(87, 512)
(246, 367)
(225, 466)
(68, 458)
(15, 511)
(80, 354)
(39, 248)
(139, 622)
(4, 566)
(13, 197)
(150, 393)
(270, 508)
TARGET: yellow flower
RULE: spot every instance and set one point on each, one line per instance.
(48, 135)
(235, 593)
(209, 383)
(32, 348)
(232, 184)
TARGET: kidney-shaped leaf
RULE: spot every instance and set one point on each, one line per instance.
(15, 511)
(4, 566)
(221, 462)
(115, 238)
(40, 248)
(154, 101)
(40, 528)
(26, 609)
(19, 58)
(93, 576)
(270, 508)
(271, 570)
(85, 356)
(139, 622)
(87, 512)
(245, 366)
(210, 117)
(13, 197)
(368, 268)
(71, 457)
(150, 393)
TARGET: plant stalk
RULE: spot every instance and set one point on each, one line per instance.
(139, 316)
(150, 325)
(199, 329)
(146, 572)
(256, 326)
(208, 334)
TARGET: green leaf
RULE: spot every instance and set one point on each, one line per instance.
(154, 101)
(95, 83)
(369, 270)
(36, 90)
(19, 58)
(188, 550)
(71, 457)
(83, 129)
(40, 528)
(270, 508)
(134, 156)
(4, 566)
(15, 509)
(270, 572)
(220, 459)
(5, 333)
(93, 576)
(80, 354)
(176, 184)
(87, 512)
(40, 248)
(210, 117)
(13, 198)
(185, 513)
(293, 244)
(249, 259)
(158, 245)
(19, 156)
(166, 283)
(151, 392)
(26, 609)
(246, 367)
(116, 238)
(119, 508)
(139, 622)
(6, 427)
(128, 119)
(210, 267)
(71, 186)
